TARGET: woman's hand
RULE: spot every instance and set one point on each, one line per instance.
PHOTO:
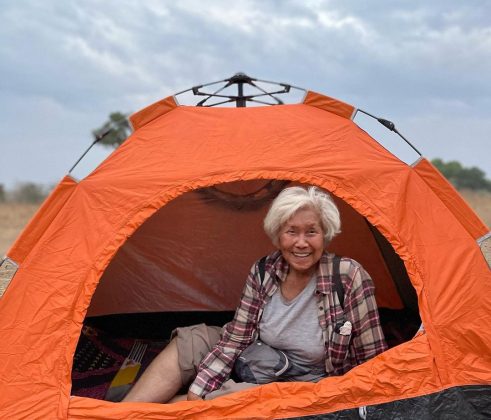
(193, 397)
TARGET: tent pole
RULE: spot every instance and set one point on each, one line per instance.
(241, 102)
(391, 126)
(97, 139)
(241, 99)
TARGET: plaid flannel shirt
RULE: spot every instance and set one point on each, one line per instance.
(343, 352)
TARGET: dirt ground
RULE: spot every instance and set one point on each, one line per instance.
(13, 217)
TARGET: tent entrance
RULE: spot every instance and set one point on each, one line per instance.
(188, 263)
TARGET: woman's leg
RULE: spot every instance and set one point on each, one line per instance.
(161, 380)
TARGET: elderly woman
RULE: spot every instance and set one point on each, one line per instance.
(319, 310)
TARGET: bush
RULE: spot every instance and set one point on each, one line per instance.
(461, 177)
(27, 192)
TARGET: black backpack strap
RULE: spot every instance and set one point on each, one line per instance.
(336, 276)
(261, 265)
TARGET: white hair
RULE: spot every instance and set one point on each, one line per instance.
(291, 200)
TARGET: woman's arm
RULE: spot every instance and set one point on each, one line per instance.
(237, 335)
(361, 307)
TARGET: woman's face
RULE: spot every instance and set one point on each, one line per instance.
(301, 241)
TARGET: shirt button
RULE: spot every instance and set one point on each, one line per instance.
(321, 308)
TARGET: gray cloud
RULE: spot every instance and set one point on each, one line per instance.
(66, 65)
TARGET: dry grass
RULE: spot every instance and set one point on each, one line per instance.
(13, 217)
(480, 201)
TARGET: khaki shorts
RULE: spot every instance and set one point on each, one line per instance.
(193, 344)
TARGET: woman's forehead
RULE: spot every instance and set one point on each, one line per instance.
(305, 216)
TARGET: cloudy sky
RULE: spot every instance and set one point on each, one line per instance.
(65, 65)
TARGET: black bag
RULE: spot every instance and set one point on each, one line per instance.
(261, 364)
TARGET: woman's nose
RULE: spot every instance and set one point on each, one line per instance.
(301, 240)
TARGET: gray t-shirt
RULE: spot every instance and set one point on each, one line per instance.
(293, 327)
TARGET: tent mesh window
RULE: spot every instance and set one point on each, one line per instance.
(187, 264)
(485, 245)
(8, 268)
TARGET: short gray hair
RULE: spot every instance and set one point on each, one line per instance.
(291, 200)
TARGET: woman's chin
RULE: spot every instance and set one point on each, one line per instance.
(302, 268)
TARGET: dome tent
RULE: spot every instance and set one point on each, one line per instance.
(179, 182)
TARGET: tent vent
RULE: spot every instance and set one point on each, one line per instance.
(8, 268)
(485, 245)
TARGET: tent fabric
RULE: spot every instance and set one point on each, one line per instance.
(192, 281)
(176, 150)
(452, 200)
(42, 219)
(471, 402)
(328, 104)
(144, 116)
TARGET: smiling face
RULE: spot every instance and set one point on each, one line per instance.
(301, 241)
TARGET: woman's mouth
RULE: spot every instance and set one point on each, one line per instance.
(301, 254)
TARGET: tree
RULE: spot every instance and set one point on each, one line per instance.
(28, 192)
(114, 131)
(461, 177)
(474, 179)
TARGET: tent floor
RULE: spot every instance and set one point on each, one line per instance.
(106, 341)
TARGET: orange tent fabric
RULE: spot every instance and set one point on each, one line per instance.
(209, 235)
(176, 150)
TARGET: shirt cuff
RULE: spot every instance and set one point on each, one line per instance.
(198, 390)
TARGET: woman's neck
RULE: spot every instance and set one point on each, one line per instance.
(299, 277)
(294, 283)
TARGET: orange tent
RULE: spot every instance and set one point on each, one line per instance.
(171, 221)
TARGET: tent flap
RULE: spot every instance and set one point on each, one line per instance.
(330, 104)
(144, 116)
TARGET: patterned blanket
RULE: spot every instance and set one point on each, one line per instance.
(99, 357)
